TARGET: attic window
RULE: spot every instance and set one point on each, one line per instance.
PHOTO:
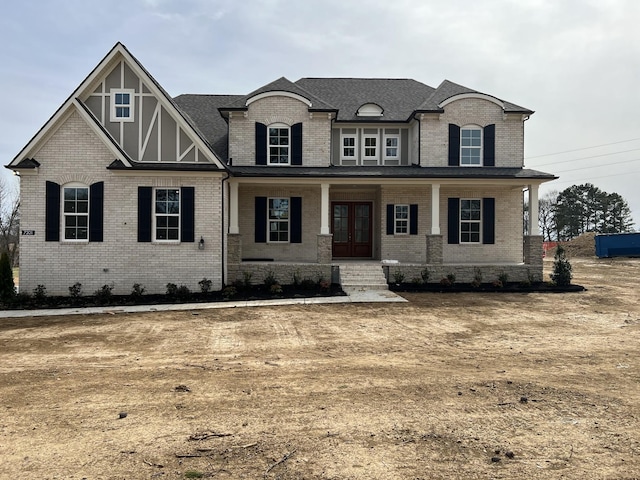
(122, 105)
(370, 110)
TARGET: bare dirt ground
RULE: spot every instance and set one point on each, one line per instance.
(445, 386)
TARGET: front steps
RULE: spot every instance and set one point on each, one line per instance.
(359, 277)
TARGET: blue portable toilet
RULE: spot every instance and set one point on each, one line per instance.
(618, 245)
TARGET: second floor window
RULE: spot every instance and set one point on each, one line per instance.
(122, 105)
(370, 147)
(470, 146)
(75, 213)
(279, 144)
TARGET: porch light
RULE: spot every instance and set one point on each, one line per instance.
(201, 244)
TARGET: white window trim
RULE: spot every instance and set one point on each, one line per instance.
(365, 136)
(479, 222)
(154, 216)
(355, 146)
(278, 125)
(131, 93)
(384, 146)
(481, 147)
(396, 219)
(64, 214)
(288, 240)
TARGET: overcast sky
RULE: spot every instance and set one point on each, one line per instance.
(576, 63)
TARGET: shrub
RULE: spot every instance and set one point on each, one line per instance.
(172, 289)
(7, 287)
(425, 274)
(270, 280)
(497, 283)
(296, 281)
(307, 284)
(246, 280)
(40, 293)
(75, 290)
(137, 290)
(477, 278)
(324, 285)
(275, 289)
(229, 292)
(104, 293)
(561, 275)
(416, 280)
(445, 282)
(398, 277)
(503, 278)
(183, 292)
(205, 285)
(452, 278)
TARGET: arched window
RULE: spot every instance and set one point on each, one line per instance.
(278, 144)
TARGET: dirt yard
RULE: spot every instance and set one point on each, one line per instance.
(444, 386)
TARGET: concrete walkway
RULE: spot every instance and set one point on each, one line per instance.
(367, 296)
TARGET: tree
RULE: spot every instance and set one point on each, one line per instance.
(7, 287)
(561, 275)
(546, 216)
(9, 222)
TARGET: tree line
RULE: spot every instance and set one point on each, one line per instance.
(580, 209)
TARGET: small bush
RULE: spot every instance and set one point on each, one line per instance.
(445, 282)
(7, 287)
(296, 281)
(452, 278)
(477, 278)
(137, 290)
(275, 289)
(183, 292)
(398, 277)
(324, 285)
(503, 278)
(416, 280)
(40, 293)
(307, 284)
(425, 274)
(270, 280)
(561, 275)
(104, 293)
(497, 283)
(172, 289)
(246, 279)
(205, 285)
(75, 290)
(229, 292)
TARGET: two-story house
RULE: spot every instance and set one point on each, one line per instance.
(126, 185)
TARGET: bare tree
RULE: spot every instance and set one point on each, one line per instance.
(546, 216)
(9, 221)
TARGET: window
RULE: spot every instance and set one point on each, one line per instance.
(279, 144)
(122, 105)
(370, 147)
(278, 220)
(392, 144)
(167, 214)
(470, 146)
(401, 219)
(75, 213)
(349, 146)
(470, 220)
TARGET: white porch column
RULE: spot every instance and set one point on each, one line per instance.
(435, 209)
(324, 209)
(233, 208)
(534, 228)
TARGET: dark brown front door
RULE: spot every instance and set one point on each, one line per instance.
(351, 229)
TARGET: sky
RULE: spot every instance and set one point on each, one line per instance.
(576, 63)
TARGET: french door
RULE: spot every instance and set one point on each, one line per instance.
(351, 228)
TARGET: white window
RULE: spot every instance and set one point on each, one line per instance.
(75, 213)
(471, 146)
(278, 220)
(470, 220)
(349, 146)
(370, 146)
(401, 223)
(167, 214)
(279, 144)
(392, 144)
(122, 105)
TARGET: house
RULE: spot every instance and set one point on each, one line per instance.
(126, 185)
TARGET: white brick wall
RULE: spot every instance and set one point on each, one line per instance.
(75, 154)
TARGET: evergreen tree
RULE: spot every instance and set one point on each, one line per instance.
(561, 275)
(7, 287)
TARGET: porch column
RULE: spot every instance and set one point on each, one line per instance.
(324, 209)
(534, 228)
(435, 209)
(233, 208)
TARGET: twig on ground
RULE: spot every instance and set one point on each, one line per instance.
(282, 460)
(205, 435)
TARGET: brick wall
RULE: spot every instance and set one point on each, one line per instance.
(75, 154)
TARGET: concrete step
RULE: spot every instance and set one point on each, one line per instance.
(362, 277)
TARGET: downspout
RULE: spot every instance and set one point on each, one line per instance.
(224, 259)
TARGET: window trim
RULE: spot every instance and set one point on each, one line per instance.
(479, 148)
(343, 136)
(288, 145)
(64, 215)
(396, 136)
(270, 220)
(131, 105)
(479, 222)
(154, 216)
(376, 137)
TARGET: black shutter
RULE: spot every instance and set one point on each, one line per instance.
(96, 211)
(413, 219)
(144, 213)
(453, 221)
(454, 145)
(390, 219)
(296, 220)
(52, 212)
(489, 220)
(260, 223)
(261, 144)
(296, 144)
(187, 214)
(489, 152)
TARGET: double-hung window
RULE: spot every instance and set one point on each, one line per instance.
(349, 144)
(75, 213)
(278, 219)
(370, 137)
(471, 146)
(401, 219)
(279, 144)
(167, 214)
(470, 220)
(392, 145)
(122, 105)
